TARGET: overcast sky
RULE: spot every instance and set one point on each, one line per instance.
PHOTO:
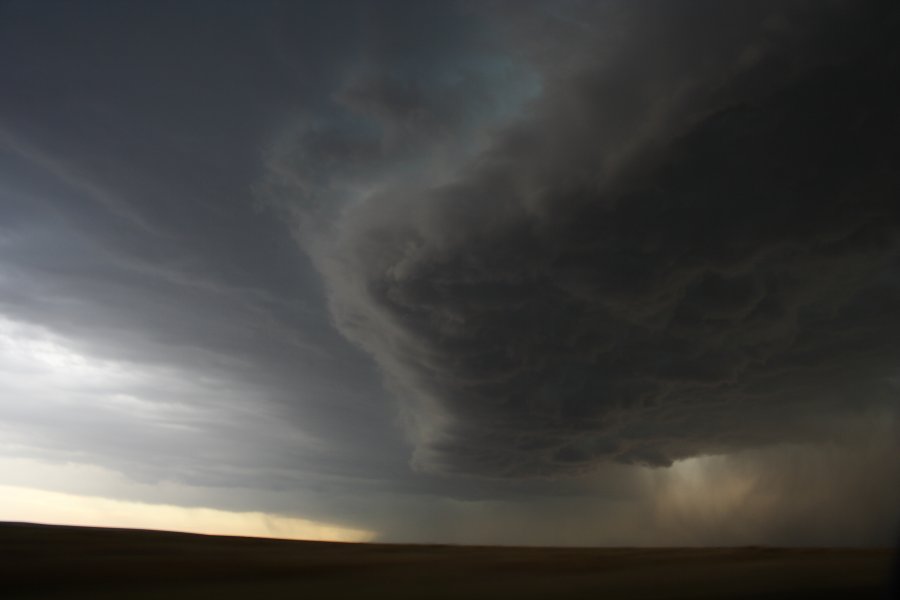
(481, 272)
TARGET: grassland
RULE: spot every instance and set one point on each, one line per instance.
(79, 562)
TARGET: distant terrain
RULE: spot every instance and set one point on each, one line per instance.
(41, 561)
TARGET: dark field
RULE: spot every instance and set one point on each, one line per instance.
(77, 562)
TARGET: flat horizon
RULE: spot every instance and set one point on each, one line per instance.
(50, 561)
(436, 544)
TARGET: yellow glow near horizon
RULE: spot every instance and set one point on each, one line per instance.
(56, 508)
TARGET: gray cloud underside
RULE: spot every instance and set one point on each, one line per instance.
(130, 142)
(672, 254)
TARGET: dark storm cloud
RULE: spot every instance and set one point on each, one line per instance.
(688, 246)
(573, 236)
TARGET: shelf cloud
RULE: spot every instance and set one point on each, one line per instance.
(687, 245)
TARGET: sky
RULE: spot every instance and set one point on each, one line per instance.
(565, 273)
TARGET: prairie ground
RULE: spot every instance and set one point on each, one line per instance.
(42, 561)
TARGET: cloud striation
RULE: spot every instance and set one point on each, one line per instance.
(686, 244)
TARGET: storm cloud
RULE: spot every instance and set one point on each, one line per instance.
(685, 245)
(485, 272)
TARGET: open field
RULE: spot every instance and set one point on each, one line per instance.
(78, 562)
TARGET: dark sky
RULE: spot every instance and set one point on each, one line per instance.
(494, 272)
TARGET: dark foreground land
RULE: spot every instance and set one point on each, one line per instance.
(78, 562)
